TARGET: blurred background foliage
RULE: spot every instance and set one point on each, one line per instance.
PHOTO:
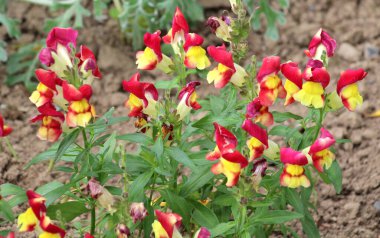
(135, 17)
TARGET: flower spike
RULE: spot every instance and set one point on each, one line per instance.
(347, 88)
(270, 84)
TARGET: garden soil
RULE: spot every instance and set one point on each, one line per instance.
(354, 24)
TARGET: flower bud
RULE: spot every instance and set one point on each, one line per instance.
(202, 233)
(138, 211)
(220, 26)
(167, 130)
(259, 167)
(273, 151)
(101, 194)
(122, 231)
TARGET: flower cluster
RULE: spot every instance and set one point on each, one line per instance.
(35, 218)
(63, 94)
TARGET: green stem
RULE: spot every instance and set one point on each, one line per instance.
(11, 149)
(118, 5)
(93, 218)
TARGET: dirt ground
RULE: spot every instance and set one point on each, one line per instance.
(354, 24)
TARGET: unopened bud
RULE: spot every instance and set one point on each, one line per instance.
(202, 233)
(122, 231)
(138, 211)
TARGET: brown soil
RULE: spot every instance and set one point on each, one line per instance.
(355, 26)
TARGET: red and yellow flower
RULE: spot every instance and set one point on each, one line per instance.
(51, 126)
(188, 100)
(293, 82)
(143, 97)
(176, 34)
(259, 141)
(226, 71)
(80, 111)
(259, 113)
(270, 84)
(57, 53)
(195, 55)
(152, 56)
(46, 90)
(321, 42)
(319, 151)
(230, 161)
(293, 175)
(167, 225)
(35, 217)
(4, 129)
(347, 88)
(312, 92)
(87, 63)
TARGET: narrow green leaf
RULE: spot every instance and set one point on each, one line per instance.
(137, 138)
(66, 211)
(181, 157)
(200, 177)
(335, 175)
(136, 189)
(276, 217)
(284, 116)
(66, 143)
(6, 210)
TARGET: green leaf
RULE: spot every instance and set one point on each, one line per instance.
(204, 216)
(280, 130)
(222, 228)
(66, 211)
(335, 175)
(3, 52)
(46, 188)
(284, 116)
(181, 157)
(276, 217)
(199, 177)
(309, 227)
(137, 188)
(6, 210)
(67, 141)
(11, 25)
(22, 64)
(158, 147)
(138, 138)
(18, 194)
(342, 141)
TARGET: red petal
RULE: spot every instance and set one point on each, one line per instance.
(168, 221)
(325, 140)
(153, 41)
(134, 86)
(179, 23)
(189, 89)
(290, 156)
(192, 39)
(271, 65)
(63, 36)
(291, 71)
(256, 131)
(221, 55)
(236, 157)
(36, 202)
(225, 140)
(321, 37)
(47, 78)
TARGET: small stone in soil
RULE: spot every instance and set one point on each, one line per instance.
(349, 52)
(371, 51)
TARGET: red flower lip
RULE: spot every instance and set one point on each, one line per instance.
(221, 55)
(290, 156)
(134, 86)
(271, 65)
(63, 36)
(291, 71)
(255, 131)
(70, 93)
